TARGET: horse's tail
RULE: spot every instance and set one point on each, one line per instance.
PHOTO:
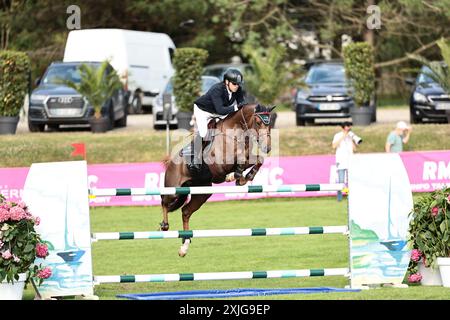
(177, 202)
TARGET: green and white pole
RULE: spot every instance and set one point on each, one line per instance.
(215, 189)
(222, 275)
(220, 233)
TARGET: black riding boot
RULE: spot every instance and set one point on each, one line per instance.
(197, 158)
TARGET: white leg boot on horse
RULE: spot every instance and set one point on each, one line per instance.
(188, 209)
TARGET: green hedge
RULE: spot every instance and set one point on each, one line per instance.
(14, 81)
(359, 68)
(188, 63)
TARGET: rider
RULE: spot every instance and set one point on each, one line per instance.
(220, 100)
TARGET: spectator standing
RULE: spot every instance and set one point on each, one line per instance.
(345, 146)
(399, 136)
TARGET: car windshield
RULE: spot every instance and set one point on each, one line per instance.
(326, 73)
(60, 73)
(423, 76)
(207, 82)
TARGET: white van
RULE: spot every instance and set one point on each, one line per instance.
(142, 59)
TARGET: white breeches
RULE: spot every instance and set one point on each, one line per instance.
(202, 118)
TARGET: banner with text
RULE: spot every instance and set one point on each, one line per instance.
(427, 171)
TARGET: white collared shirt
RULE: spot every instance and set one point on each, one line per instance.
(229, 98)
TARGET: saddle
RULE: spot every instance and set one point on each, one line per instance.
(199, 172)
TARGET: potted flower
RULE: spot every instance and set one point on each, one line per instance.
(429, 238)
(20, 246)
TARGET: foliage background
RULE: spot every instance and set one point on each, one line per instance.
(223, 26)
(14, 81)
(187, 82)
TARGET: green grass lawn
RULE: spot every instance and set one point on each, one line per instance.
(234, 254)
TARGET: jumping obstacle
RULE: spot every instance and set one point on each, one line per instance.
(215, 189)
(223, 275)
(64, 186)
(219, 233)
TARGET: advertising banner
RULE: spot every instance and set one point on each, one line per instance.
(427, 171)
(380, 200)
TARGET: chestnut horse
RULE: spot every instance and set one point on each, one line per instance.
(236, 135)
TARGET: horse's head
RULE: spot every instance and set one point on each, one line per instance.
(261, 124)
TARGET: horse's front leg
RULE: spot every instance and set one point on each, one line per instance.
(237, 176)
(252, 173)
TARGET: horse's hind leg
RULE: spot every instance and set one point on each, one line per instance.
(164, 225)
(168, 202)
(196, 202)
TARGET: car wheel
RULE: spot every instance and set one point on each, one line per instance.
(136, 104)
(300, 122)
(111, 117)
(35, 127)
(374, 115)
(413, 119)
(122, 122)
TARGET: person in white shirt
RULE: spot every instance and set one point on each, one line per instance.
(345, 146)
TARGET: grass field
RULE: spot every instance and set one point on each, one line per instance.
(234, 254)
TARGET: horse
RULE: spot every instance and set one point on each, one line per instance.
(235, 134)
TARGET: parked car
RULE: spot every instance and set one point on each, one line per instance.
(158, 112)
(142, 59)
(52, 103)
(428, 101)
(327, 94)
(218, 70)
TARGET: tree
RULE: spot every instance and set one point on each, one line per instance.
(271, 76)
(439, 70)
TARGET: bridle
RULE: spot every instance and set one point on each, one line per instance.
(264, 116)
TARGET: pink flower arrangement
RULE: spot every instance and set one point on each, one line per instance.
(45, 273)
(17, 240)
(427, 231)
(416, 255)
(415, 277)
(41, 250)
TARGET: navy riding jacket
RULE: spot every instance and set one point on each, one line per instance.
(216, 99)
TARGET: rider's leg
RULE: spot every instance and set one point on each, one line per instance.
(201, 120)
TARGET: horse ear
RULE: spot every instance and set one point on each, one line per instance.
(270, 109)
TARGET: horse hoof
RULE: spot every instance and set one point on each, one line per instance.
(163, 226)
(182, 253)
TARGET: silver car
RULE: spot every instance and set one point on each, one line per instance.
(158, 112)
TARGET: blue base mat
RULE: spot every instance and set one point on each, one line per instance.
(229, 293)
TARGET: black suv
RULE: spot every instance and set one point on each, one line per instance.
(327, 95)
(53, 103)
(428, 101)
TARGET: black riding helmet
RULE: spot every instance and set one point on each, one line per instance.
(234, 75)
